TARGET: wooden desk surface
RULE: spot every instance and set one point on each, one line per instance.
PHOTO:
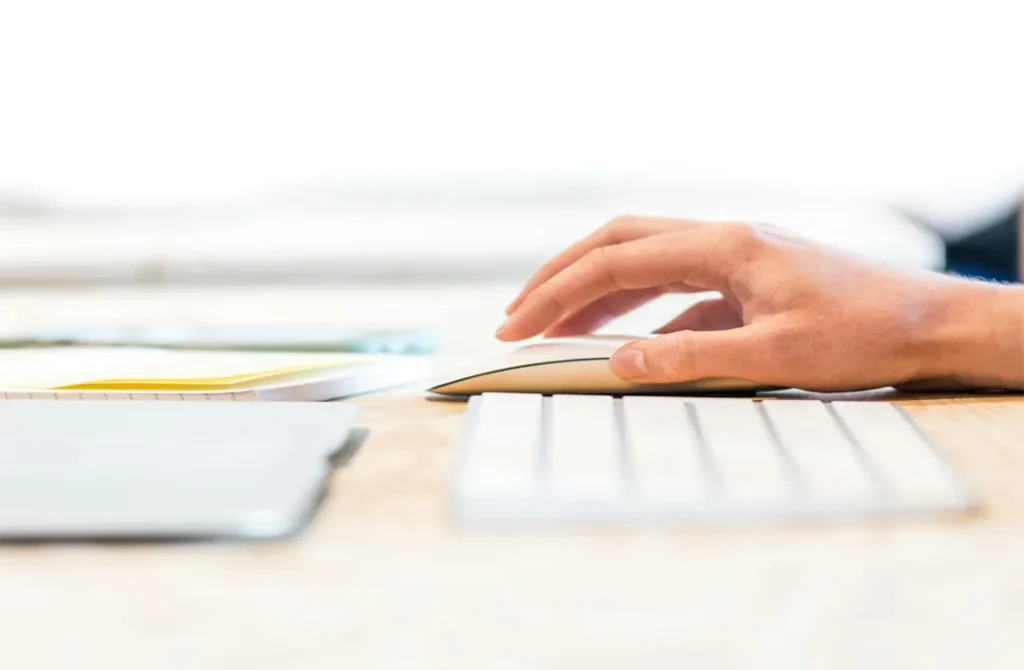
(382, 579)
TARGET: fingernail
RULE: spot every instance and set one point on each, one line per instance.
(630, 363)
(501, 330)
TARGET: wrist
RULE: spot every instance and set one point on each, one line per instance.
(977, 336)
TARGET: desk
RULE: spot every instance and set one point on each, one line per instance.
(382, 580)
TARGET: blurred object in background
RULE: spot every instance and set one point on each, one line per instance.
(991, 252)
(229, 141)
(492, 233)
(274, 336)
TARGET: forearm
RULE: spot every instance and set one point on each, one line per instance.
(981, 340)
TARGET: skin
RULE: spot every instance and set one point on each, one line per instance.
(791, 313)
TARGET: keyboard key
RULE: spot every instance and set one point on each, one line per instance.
(504, 445)
(915, 473)
(828, 466)
(742, 451)
(664, 455)
(584, 455)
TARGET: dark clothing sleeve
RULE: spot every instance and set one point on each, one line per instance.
(990, 253)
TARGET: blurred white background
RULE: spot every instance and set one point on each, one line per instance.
(236, 107)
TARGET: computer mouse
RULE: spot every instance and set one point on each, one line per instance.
(568, 365)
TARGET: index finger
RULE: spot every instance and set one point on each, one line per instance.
(704, 257)
(616, 231)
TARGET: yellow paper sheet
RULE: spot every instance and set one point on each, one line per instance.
(118, 368)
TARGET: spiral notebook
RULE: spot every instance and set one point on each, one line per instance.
(124, 373)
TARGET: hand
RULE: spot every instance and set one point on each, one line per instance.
(791, 313)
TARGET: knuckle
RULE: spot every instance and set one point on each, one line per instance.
(617, 227)
(741, 235)
(600, 267)
(554, 300)
(678, 359)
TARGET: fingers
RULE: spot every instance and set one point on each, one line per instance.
(593, 316)
(716, 314)
(616, 231)
(688, 355)
(704, 315)
(703, 258)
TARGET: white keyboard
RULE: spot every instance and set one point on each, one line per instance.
(593, 458)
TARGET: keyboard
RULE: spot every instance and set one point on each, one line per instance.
(528, 458)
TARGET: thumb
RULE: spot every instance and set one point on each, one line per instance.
(688, 355)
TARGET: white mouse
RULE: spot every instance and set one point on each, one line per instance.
(568, 365)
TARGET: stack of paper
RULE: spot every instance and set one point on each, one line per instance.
(94, 373)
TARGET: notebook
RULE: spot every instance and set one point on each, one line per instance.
(127, 373)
